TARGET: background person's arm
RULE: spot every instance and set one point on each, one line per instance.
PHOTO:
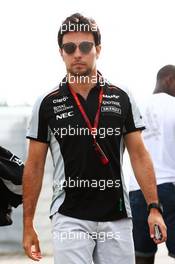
(144, 173)
(32, 183)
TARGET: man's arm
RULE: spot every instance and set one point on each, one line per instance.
(144, 172)
(32, 182)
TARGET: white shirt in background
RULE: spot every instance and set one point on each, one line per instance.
(159, 136)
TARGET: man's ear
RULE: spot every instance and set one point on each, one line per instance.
(98, 50)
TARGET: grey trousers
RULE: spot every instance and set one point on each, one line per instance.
(77, 241)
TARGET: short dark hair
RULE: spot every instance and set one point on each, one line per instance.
(76, 23)
(165, 71)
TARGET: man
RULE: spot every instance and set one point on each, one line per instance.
(159, 137)
(86, 122)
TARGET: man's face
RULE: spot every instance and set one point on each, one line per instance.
(79, 63)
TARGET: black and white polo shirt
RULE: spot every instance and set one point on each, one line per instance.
(83, 187)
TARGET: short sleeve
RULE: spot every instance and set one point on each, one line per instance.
(133, 120)
(38, 128)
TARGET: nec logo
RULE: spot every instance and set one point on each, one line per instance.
(64, 115)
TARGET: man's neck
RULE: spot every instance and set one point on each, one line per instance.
(84, 85)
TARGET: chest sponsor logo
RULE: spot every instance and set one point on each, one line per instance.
(109, 109)
(111, 96)
(111, 103)
(64, 115)
(60, 100)
(61, 108)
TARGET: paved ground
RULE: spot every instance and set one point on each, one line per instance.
(161, 258)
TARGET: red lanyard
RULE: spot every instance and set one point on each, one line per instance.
(98, 149)
(97, 117)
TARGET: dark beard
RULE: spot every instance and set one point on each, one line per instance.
(85, 73)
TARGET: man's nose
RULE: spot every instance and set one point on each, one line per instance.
(77, 52)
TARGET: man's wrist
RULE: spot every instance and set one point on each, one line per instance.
(155, 207)
(28, 221)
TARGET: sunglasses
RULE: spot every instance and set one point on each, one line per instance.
(85, 47)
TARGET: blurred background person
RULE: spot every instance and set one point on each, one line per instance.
(159, 137)
(11, 169)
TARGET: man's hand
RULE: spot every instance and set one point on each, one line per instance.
(32, 183)
(31, 244)
(156, 218)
